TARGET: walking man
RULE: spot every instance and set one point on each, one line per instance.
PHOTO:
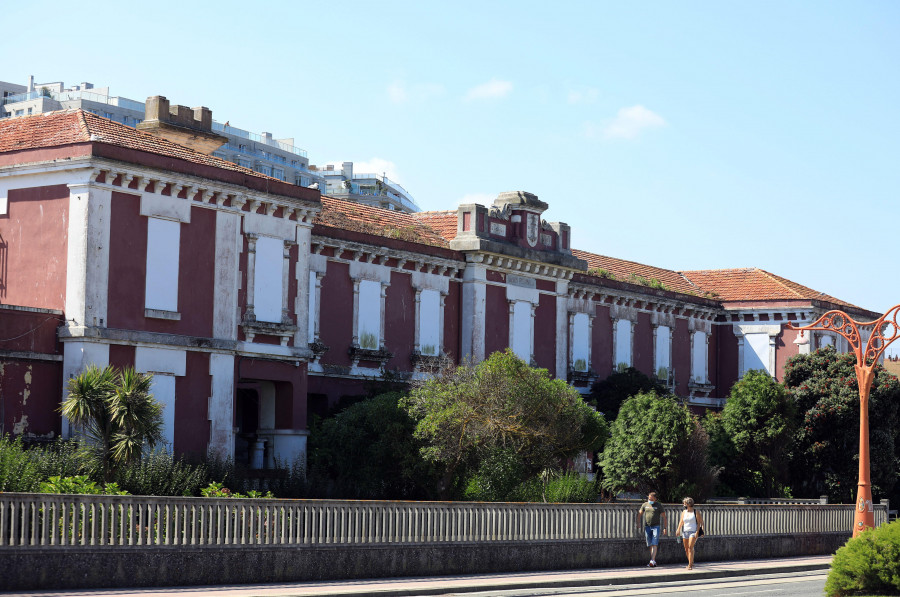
(654, 519)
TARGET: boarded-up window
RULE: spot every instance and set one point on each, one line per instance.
(580, 342)
(369, 322)
(623, 343)
(429, 322)
(521, 333)
(163, 241)
(756, 352)
(313, 300)
(663, 352)
(267, 286)
(699, 358)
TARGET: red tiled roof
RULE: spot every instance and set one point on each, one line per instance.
(68, 127)
(444, 222)
(624, 270)
(754, 284)
(348, 215)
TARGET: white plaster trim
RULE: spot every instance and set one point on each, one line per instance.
(425, 281)
(160, 360)
(265, 225)
(360, 270)
(229, 245)
(518, 293)
(472, 318)
(87, 272)
(220, 406)
(163, 206)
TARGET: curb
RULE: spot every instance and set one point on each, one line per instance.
(629, 578)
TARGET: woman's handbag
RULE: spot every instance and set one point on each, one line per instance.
(700, 532)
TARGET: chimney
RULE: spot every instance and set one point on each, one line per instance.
(30, 83)
(191, 127)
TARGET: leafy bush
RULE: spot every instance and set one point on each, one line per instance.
(367, 451)
(867, 564)
(159, 473)
(218, 490)
(80, 484)
(23, 470)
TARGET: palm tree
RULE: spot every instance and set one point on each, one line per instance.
(116, 412)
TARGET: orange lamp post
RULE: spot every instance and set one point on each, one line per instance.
(883, 331)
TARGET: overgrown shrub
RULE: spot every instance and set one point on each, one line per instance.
(23, 469)
(160, 473)
(868, 564)
(80, 484)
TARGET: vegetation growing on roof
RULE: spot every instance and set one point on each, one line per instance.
(601, 273)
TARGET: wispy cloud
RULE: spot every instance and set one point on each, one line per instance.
(400, 92)
(630, 122)
(493, 89)
(583, 96)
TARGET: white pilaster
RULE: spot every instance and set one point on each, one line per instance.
(474, 306)
(87, 269)
(220, 411)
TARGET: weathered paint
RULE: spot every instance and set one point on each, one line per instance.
(496, 331)
(400, 321)
(601, 334)
(452, 315)
(784, 350)
(33, 240)
(545, 334)
(681, 355)
(642, 359)
(30, 393)
(192, 427)
(336, 313)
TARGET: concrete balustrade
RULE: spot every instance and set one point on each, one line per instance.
(45, 520)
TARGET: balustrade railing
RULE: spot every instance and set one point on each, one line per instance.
(49, 520)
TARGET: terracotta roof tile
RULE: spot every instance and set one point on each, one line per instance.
(67, 127)
(754, 284)
(444, 222)
(348, 215)
(630, 271)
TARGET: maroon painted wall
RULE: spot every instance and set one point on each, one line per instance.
(400, 320)
(33, 247)
(452, 315)
(496, 334)
(336, 313)
(29, 331)
(601, 337)
(191, 406)
(681, 356)
(643, 344)
(726, 359)
(784, 350)
(545, 334)
(30, 393)
(121, 355)
(128, 270)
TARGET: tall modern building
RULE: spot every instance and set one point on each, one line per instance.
(262, 153)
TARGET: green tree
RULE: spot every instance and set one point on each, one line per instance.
(609, 394)
(751, 437)
(501, 411)
(823, 385)
(116, 412)
(367, 451)
(657, 445)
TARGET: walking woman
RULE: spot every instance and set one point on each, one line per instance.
(690, 528)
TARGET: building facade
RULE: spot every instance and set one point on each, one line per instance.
(254, 302)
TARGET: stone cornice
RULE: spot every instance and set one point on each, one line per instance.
(114, 175)
(380, 255)
(650, 303)
(517, 266)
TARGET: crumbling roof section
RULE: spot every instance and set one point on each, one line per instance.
(357, 217)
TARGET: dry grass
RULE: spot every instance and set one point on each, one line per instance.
(893, 367)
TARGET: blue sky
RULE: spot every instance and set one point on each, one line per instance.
(686, 135)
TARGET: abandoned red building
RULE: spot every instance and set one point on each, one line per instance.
(255, 302)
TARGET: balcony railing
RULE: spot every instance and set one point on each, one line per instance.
(68, 96)
(230, 130)
(43, 520)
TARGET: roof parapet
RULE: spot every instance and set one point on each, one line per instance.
(191, 127)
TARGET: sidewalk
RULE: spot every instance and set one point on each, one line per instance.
(406, 587)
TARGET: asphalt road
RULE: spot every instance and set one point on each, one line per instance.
(800, 584)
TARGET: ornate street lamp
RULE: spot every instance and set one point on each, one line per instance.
(884, 330)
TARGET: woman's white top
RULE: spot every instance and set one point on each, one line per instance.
(690, 522)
